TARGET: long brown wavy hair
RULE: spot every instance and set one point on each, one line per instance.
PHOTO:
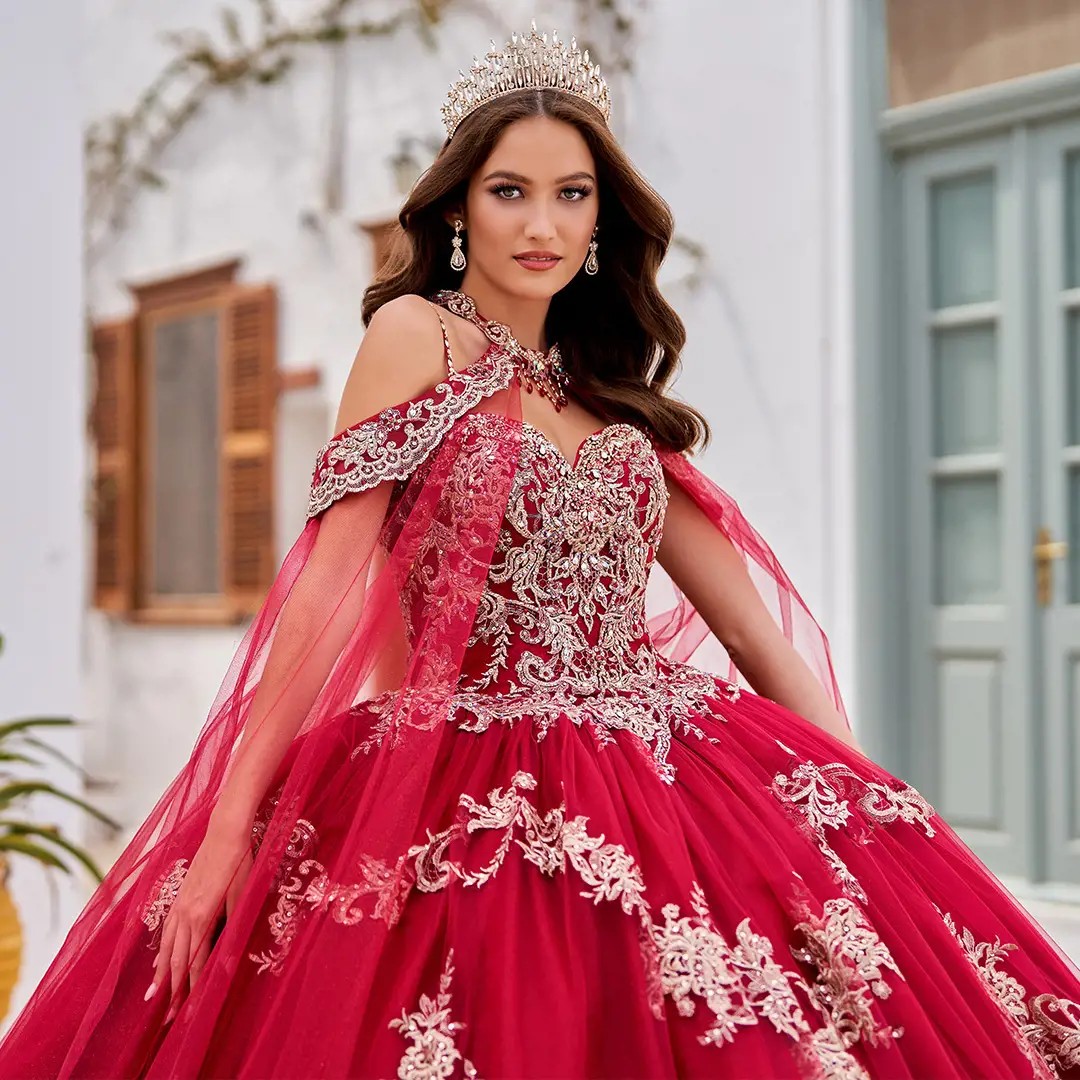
(620, 339)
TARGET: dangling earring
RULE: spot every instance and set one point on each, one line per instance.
(457, 260)
(591, 265)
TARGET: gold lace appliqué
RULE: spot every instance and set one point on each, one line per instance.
(162, 896)
(392, 444)
(1048, 1026)
(310, 888)
(739, 983)
(654, 708)
(844, 950)
(685, 956)
(822, 796)
(568, 575)
(559, 628)
(434, 1053)
(550, 841)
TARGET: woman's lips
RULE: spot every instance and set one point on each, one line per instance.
(534, 263)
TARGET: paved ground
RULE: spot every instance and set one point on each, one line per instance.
(1062, 922)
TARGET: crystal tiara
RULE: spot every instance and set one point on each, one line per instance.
(528, 62)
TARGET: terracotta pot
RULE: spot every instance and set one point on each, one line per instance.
(11, 941)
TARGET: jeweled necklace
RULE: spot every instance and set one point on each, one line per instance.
(538, 370)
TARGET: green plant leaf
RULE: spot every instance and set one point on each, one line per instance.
(51, 833)
(10, 792)
(23, 723)
(41, 744)
(11, 755)
(35, 851)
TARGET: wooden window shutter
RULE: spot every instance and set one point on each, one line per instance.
(113, 423)
(383, 237)
(250, 384)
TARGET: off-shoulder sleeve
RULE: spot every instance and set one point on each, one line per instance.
(392, 444)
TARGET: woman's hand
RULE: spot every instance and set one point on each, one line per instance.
(215, 878)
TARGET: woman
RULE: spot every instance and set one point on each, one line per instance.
(463, 806)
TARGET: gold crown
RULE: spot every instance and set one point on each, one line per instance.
(526, 63)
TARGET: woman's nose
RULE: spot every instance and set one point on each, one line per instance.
(540, 227)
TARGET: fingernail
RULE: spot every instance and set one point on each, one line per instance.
(150, 992)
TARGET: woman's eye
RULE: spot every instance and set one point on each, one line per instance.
(579, 192)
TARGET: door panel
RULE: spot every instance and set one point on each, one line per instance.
(967, 419)
(966, 390)
(1056, 170)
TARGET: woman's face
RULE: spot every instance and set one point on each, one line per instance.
(536, 193)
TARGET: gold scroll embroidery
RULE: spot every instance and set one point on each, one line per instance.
(162, 896)
(686, 958)
(395, 442)
(822, 794)
(310, 888)
(1049, 1026)
(848, 957)
(560, 629)
(434, 1053)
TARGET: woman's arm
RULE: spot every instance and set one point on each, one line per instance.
(400, 354)
(704, 564)
(311, 624)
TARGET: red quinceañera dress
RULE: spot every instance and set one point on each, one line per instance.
(509, 830)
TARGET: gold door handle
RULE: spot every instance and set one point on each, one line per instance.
(1046, 551)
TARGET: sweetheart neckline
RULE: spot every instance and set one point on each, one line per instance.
(573, 465)
(493, 352)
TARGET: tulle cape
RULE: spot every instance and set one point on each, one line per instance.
(370, 613)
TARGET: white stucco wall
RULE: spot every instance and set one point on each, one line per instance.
(740, 119)
(42, 424)
(737, 116)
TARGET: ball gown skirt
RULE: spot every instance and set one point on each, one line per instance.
(663, 875)
(784, 908)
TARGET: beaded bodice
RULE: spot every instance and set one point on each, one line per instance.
(564, 602)
(560, 627)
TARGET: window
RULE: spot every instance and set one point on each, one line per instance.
(186, 392)
(383, 235)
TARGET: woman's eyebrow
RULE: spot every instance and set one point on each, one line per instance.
(518, 178)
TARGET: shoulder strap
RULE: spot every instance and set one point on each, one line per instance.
(397, 440)
(447, 355)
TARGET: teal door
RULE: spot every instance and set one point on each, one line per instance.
(1056, 180)
(991, 353)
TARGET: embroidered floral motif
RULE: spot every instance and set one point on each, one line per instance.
(652, 708)
(686, 957)
(550, 842)
(559, 629)
(344, 903)
(848, 957)
(301, 838)
(310, 888)
(1052, 1040)
(1058, 1040)
(568, 576)
(738, 983)
(162, 896)
(393, 443)
(821, 796)
(433, 1054)
(825, 1055)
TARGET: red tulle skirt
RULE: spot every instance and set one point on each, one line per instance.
(784, 908)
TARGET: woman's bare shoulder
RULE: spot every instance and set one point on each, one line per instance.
(400, 356)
